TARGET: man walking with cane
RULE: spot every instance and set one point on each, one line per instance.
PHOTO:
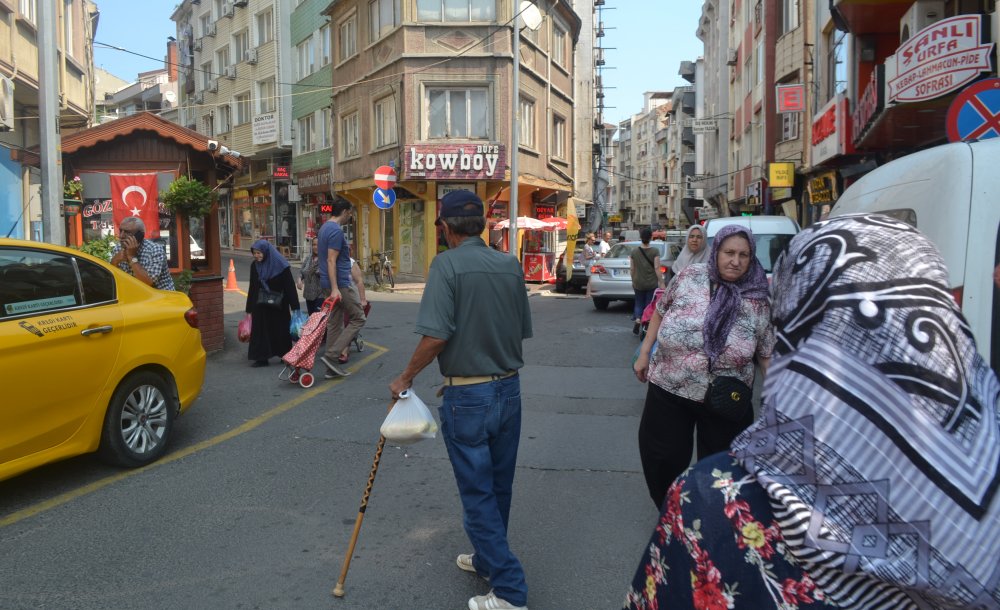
(473, 318)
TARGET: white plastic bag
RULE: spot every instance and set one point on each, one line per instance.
(409, 420)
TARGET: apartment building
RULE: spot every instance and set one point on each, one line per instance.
(152, 91)
(712, 106)
(20, 179)
(237, 82)
(311, 43)
(639, 162)
(426, 87)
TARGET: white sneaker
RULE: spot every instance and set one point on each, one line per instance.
(464, 561)
(491, 602)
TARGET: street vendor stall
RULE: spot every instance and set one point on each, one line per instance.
(539, 246)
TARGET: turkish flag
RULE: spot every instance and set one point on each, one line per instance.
(136, 195)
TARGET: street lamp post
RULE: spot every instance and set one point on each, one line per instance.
(532, 20)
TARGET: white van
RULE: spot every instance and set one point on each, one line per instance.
(772, 234)
(951, 193)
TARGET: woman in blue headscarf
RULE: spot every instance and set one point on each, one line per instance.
(713, 320)
(270, 273)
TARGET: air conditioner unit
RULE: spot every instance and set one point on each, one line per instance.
(210, 29)
(6, 104)
(227, 9)
(198, 98)
(240, 3)
(920, 15)
(197, 44)
(213, 85)
(732, 58)
(251, 56)
(231, 72)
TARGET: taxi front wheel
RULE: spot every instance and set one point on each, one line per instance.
(139, 420)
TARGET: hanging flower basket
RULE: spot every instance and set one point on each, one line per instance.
(187, 197)
(73, 189)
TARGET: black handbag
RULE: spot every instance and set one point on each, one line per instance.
(268, 297)
(728, 398)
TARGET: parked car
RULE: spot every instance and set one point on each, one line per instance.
(578, 279)
(126, 359)
(772, 234)
(611, 276)
(949, 193)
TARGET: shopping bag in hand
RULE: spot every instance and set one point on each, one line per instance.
(243, 330)
(298, 321)
(409, 421)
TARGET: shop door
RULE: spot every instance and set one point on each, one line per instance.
(411, 237)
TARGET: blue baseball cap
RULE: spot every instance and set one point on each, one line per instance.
(460, 203)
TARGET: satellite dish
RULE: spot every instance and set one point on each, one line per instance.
(170, 96)
(531, 17)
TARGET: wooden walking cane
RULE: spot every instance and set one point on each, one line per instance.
(338, 590)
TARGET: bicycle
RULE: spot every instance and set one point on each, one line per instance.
(381, 268)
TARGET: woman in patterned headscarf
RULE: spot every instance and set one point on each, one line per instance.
(870, 479)
(713, 320)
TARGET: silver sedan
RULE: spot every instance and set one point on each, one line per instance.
(611, 276)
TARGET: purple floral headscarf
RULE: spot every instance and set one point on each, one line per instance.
(727, 296)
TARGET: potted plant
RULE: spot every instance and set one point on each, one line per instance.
(188, 197)
(73, 189)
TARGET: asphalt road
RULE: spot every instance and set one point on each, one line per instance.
(254, 505)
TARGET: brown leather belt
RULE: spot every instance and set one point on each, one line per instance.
(477, 379)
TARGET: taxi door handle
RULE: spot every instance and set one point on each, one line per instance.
(96, 329)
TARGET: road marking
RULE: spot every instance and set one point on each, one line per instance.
(69, 496)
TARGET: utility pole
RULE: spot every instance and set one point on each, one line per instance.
(50, 142)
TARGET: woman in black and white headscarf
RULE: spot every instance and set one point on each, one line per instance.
(870, 479)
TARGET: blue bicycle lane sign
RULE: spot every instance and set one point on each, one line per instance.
(974, 114)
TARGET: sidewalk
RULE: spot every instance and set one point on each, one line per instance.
(402, 287)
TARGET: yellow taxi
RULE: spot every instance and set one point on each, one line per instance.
(91, 359)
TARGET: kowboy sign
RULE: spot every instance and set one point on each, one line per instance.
(456, 161)
(941, 58)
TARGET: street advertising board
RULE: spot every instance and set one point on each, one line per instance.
(265, 128)
(939, 59)
(781, 174)
(974, 114)
(791, 98)
(705, 126)
(455, 161)
(831, 131)
(870, 105)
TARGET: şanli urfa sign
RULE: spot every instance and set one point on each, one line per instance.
(939, 59)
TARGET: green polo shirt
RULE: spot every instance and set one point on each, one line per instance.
(475, 299)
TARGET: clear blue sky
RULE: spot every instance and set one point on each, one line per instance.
(649, 44)
(141, 26)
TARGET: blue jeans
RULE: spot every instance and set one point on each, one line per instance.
(481, 427)
(642, 298)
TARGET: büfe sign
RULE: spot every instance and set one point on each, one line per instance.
(941, 58)
(456, 161)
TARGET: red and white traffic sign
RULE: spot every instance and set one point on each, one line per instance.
(385, 177)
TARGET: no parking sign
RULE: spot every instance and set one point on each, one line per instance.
(975, 112)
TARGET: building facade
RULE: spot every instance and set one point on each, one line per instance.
(236, 89)
(426, 89)
(76, 20)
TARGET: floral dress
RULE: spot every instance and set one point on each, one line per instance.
(679, 365)
(717, 546)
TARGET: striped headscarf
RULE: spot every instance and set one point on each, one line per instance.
(878, 438)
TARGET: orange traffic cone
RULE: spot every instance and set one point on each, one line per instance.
(231, 280)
